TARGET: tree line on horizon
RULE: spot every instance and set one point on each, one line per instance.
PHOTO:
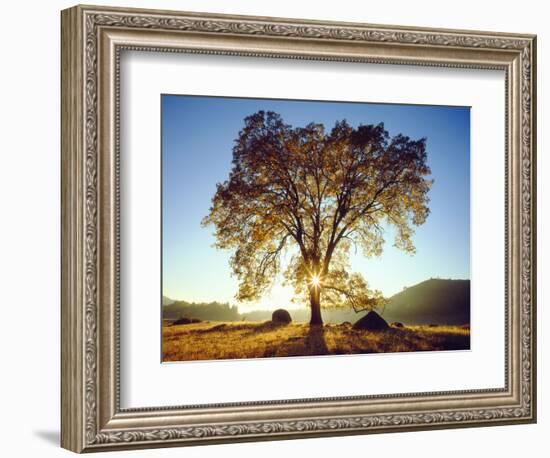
(439, 301)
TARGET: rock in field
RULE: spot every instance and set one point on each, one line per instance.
(371, 322)
(182, 320)
(281, 316)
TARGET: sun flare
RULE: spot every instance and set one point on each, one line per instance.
(315, 281)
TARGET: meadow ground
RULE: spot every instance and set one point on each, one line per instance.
(237, 340)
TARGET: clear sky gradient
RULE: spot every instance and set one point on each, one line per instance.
(197, 140)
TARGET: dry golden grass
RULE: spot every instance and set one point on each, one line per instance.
(237, 340)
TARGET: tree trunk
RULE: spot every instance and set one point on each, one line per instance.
(315, 304)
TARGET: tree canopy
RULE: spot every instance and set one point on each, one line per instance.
(316, 194)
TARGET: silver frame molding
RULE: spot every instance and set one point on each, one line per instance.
(92, 40)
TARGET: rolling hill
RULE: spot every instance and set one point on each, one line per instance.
(167, 300)
(435, 301)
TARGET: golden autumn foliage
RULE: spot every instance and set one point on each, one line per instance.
(317, 194)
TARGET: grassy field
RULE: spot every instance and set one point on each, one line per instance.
(237, 340)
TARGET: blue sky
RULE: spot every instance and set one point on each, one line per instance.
(197, 139)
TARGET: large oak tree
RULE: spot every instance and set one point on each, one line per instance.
(316, 195)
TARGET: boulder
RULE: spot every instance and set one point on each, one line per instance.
(371, 322)
(281, 316)
(182, 320)
(397, 324)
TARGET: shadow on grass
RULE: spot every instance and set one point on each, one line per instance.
(268, 339)
(311, 343)
(406, 340)
(265, 326)
(315, 341)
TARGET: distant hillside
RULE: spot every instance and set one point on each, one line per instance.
(167, 300)
(432, 301)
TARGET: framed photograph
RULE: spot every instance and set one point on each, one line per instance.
(278, 228)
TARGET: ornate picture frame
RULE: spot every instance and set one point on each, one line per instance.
(92, 41)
